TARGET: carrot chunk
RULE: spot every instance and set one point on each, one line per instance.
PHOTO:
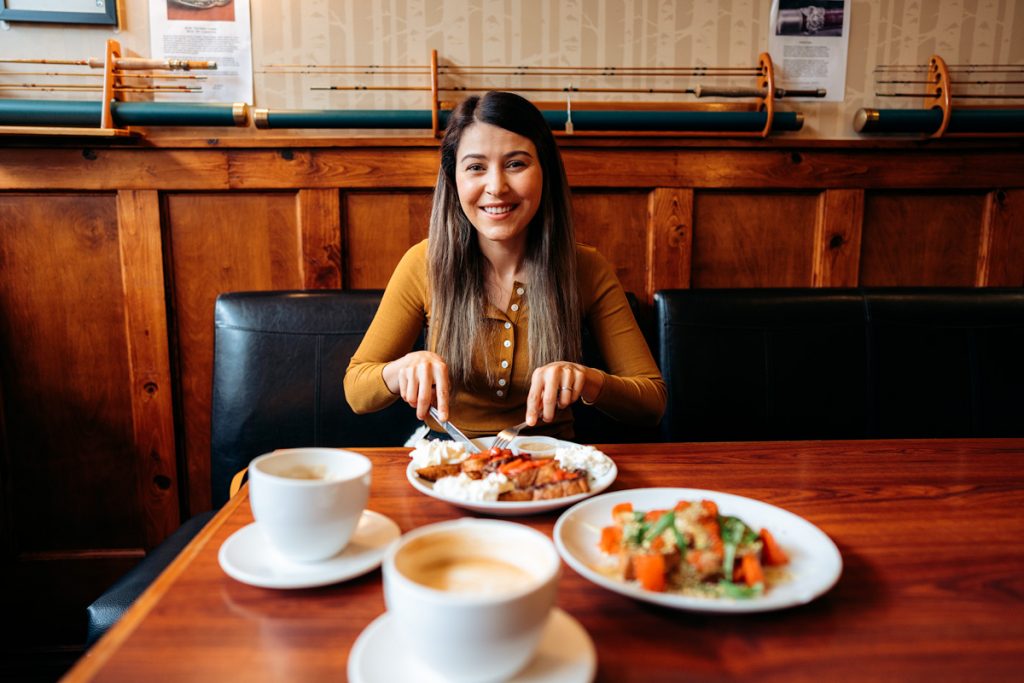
(771, 552)
(650, 571)
(750, 567)
(611, 539)
(620, 508)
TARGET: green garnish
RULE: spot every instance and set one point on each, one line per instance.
(659, 527)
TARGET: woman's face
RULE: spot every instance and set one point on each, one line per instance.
(500, 182)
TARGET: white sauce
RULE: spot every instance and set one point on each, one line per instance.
(464, 488)
(437, 452)
(588, 458)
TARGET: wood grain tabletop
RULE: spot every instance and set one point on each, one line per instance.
(932, 586)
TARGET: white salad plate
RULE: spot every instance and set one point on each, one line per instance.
(247, 557)
(514, 508)
(566, 655)
(814, 560)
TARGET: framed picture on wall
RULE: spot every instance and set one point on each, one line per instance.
(60, 11)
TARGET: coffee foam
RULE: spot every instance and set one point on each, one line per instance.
(470, 562)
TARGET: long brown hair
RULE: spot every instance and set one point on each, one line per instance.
(456, 265)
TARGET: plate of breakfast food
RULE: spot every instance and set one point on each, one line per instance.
(698, 550)
(535, 474)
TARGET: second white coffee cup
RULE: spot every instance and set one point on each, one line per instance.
(470, 597)
(308, 501)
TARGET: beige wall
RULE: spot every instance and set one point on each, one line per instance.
(560, 32)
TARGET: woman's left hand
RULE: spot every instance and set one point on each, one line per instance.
(558, 385)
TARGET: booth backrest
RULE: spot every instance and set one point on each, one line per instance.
(832, 363)
(279, 360)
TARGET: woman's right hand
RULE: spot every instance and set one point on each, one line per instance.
(418, 377)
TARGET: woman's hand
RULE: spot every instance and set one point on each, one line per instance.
(418, 377)
(557, 386)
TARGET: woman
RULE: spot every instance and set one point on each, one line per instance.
(504, 290)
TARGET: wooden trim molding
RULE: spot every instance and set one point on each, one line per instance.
(142, 275)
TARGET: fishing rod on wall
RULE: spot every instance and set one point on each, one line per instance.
(113, 79)
(757, 116)
(958, 100)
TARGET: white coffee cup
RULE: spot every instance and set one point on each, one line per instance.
(307, 501)
(470, 597)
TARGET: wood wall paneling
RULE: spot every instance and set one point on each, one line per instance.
(73, 518)
(837, 238)
(669, 239)
(358, 168)
(769, 168)
(152, 390)
(753, 239)
(319, 225)
(923, 239)
(102, 168)
(220, 242)
(379, 228)
(616, 224)
(1001, 261)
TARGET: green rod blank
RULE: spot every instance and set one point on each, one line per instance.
(928, 121)
(81, 114)
(731, 121)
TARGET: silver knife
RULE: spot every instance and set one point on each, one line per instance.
(454, 432)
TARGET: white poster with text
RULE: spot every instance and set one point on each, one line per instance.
(808, 44)
(211, 30)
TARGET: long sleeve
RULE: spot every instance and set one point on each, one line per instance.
(395, 328)
(633, 390)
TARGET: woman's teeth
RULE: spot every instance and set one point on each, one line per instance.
(497, 210)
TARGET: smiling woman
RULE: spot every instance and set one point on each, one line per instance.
(504, 290)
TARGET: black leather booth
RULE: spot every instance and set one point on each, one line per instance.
(832, 363)
(279, 361)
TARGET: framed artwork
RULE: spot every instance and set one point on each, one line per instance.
(60, 11)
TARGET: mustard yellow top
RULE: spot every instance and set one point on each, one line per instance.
(633, 389)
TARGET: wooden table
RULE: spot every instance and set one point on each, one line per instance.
(931, 533)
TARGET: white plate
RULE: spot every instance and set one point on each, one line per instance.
(513, 508)
(566, 655)
(814, 561)
(247, 557)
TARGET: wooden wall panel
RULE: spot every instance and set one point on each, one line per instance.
(319, 222)
(837, 238)
(379, 228)
(753, 239)
(615, 223)
(151, 386)
(67, 409)
(669, 239)
(787, 167)
(219, 243)
(1001, 261)
(921, 239)
(71, 517)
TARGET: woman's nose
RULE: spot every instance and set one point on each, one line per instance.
(496, 184)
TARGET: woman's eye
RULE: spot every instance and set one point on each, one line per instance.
(475, 167)
(516, 163)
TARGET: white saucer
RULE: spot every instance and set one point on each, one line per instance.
(247, 557)
(566, 655)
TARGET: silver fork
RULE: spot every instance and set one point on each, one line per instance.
(505, 436)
